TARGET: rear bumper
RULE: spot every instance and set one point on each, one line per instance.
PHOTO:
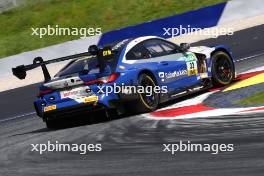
(73, 107)
(73, 111)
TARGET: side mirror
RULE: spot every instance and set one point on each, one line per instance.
(93, 49)
(185, 46)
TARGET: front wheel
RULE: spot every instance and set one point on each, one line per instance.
(223, 70)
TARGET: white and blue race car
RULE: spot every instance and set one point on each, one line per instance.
(161, 69)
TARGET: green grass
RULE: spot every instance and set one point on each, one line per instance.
(15, 31)
(255, 99)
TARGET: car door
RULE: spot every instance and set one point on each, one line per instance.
(176, 70)
(148, 56)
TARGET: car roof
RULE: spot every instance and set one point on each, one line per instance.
(130, 42)
(135, 41)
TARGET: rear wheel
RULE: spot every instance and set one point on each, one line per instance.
(147, 100)
(111, 113)
(223, 70)
(52, 124)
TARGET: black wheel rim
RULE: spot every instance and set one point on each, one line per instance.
(223, 69)
(148, 97)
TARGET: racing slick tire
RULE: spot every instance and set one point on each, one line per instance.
(223, 69)
(111, 114)
(52, 124)
(146, 102)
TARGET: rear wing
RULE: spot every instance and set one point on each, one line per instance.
(102, 55)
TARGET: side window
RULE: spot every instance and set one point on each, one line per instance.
(137, 53)
(158, 47)
(154, 48)
(169, 48)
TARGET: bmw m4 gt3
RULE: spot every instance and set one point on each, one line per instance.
(82, 85)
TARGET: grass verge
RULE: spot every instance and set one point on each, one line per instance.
(16, 24)
(255, 99)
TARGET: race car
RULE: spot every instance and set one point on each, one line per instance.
(146, 70)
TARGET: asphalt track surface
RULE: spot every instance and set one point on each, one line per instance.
(133, 145)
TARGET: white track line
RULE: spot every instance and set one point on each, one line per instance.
(192, 101)
(254, 70)
(18, 116)
(249, 57)
(208, 114)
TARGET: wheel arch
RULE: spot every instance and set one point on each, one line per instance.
(224, 49)
(227, 51)
(150, 73)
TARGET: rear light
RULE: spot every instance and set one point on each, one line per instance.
(103, 80)
(109, 79)
(44, 92)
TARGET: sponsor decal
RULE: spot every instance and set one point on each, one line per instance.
(50, 108)
(91, 99)
(192, 68)
(70, 93)
(162, 75)
(170, 75)
(176, 74)
(76, 93)
(191, 64)
(190, 57)
(203, 75)
(107, 52)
